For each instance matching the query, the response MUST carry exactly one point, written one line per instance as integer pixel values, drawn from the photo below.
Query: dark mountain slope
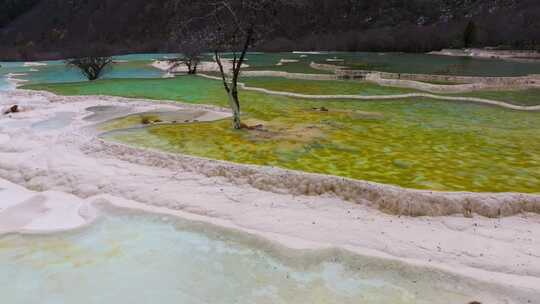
(44, 27)
(11, 9)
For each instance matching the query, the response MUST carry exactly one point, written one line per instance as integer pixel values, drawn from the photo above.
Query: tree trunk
(232, 89)
(235, 106)
(192, 68)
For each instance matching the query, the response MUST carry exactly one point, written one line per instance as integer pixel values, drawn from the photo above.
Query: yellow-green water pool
(414, 143)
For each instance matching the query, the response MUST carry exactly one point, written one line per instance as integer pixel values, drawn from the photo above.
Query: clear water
(146, 56)
(57, 72)
(7, 68)
(4, 84)
(398, 63)
(434, 64)
(137, 65)
(415, 143)
(145, 119)
(143, 259)
(127, 66)
(59, 121)
(104, 112)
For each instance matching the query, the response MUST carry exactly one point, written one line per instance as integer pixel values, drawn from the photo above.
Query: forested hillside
(44, 28)
(11, 9)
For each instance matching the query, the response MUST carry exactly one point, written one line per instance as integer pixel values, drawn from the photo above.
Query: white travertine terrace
(369, 97)
(51, 178)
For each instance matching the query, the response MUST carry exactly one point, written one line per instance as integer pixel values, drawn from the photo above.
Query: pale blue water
(138, 66)
(59, 121)
(56, 72)
(9, 68)
(435, 64)
(143, 259)
(146, 57)
(405, 63)
(4, 84)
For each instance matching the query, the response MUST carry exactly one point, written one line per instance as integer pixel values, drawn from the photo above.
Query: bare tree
(239, 25)
(92, 67)
(234, 26)
(93, 58)
(192, 48)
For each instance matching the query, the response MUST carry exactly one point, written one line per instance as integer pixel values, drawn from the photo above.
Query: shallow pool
(414, 143)
(150, 259)
(59, 121)
(55, 71)
(395, 62)
(105, 112)
(138, 65)
(8, 69)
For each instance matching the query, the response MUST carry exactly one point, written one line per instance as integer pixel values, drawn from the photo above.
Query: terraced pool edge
(387, 198)
(288, 249)
(385, 97)
(386, 171)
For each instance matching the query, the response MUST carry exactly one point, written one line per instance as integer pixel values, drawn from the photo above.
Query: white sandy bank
(503, 251)
(51, 212)
(489, 53)
(204, 66)
(25, 211)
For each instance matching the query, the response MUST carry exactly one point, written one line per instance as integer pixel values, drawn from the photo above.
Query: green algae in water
(396, 63)
(138, 66)
(526, 97)
(324, 87)
(200, 90)
(143, 259)
(414, 143)
(57, 72)
(131, 121)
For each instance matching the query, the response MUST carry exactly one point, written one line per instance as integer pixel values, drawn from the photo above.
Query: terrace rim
(386, 198)
(417, 81)
(484, 101)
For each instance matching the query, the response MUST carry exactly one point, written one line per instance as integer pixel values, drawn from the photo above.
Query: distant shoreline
(474, 52)
(521, 55)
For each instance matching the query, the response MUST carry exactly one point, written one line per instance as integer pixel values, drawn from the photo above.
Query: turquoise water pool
(126, 66)
(137, 65)
(144, 259)
(7, 68)
(435, 64)
(397, 63)
(415, 143)
(4, 84)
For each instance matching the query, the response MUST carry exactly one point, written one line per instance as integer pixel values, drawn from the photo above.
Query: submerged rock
(403, 164)
(321, 109)
(12, 109)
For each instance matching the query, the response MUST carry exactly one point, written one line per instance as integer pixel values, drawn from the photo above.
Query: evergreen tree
(469, 35)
